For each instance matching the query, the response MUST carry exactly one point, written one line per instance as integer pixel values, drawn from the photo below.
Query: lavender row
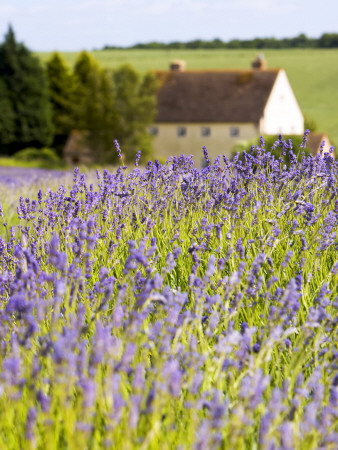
(174, 307)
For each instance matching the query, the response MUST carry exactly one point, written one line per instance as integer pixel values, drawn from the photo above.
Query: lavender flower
(118, 148)
(304, 141)
(200, 302)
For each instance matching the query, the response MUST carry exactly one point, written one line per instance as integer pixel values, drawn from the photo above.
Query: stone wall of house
(189, 138)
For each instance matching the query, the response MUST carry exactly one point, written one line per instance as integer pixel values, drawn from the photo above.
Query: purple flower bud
(30, 424)
(173, 375)
(11, 370)
(137, 158)
(135, 410)
(88, 387)
(44, 401)
(117, 148)
(206, 155)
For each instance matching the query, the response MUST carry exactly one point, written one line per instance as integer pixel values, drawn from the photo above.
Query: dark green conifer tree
(7, 124)
(26, 98)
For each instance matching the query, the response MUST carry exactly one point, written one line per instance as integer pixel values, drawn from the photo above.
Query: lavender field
(172, 307)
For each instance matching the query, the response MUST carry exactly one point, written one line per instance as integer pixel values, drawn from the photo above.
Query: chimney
(259, 63)
(178, 65)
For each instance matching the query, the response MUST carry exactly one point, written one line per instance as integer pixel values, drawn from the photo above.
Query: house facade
(220, 108)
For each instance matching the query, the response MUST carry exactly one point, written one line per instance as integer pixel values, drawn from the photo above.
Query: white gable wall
(282, 114)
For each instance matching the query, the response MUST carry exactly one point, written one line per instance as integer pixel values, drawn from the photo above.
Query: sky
(72, 25)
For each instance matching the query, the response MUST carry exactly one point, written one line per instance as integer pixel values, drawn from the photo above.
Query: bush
(310, 124)
(44, 157)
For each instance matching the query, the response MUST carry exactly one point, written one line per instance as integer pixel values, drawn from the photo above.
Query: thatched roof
(213, 96)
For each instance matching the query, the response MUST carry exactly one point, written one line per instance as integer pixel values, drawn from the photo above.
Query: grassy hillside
(313, 73)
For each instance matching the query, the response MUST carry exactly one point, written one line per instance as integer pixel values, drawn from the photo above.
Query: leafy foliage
(44, 157)
(94, 105)
(135, 109)
(61, 95)
(36, 113)
(310, 123)
(106, 105)
(7, 117)
(26, 117)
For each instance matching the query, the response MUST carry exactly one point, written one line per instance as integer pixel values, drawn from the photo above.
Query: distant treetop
(327, 40)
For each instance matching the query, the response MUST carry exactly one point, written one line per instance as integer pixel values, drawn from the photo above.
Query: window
(234, 131)
(181, 131)
(153, 131)
(205, 131)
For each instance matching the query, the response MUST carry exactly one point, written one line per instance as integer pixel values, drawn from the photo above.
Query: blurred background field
(313, 73)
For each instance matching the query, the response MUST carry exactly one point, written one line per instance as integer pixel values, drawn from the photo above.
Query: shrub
(310, 124)
(45, 157)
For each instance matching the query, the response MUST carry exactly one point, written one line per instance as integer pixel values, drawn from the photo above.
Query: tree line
(40, 106)
(327, 40)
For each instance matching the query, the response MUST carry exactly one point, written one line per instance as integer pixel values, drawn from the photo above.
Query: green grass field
(313, 73)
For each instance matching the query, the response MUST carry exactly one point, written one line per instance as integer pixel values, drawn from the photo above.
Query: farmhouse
(216, 109)
(219, 108)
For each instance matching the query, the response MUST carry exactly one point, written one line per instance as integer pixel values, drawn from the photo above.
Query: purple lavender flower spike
(118, 148)
(304, 141)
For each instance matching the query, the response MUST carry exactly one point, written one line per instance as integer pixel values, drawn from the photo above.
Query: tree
(26, 99)
(7, 123)
(135, 104)
(83, 67)
(328, 40)
(95, 112)
(61, 93)
(109, 106)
